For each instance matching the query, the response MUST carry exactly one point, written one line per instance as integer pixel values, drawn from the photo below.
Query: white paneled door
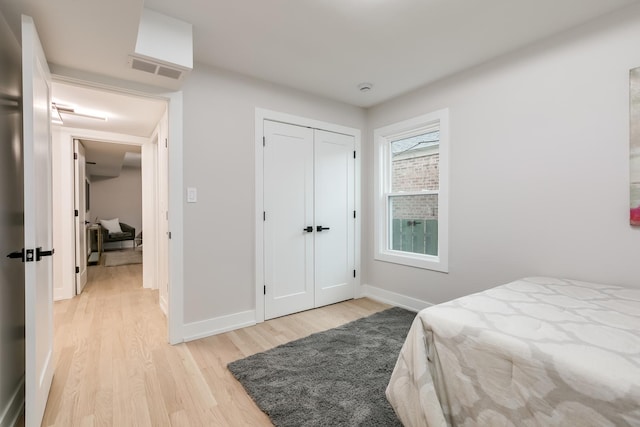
(309, 230)
(288, 203)
(334, 217)
(80, 202)
(36, 85)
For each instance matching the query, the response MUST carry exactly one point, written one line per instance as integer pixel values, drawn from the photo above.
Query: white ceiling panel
(324, 47)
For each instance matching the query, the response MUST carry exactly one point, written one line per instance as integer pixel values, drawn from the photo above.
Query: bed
(534, 352)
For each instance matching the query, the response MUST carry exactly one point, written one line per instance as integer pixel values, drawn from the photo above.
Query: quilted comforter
(534, 352)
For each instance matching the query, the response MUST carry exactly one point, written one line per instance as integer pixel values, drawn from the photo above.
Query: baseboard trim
(218, 325)
(10, 414)
(164, 306)
(392, 298)
(63, 294)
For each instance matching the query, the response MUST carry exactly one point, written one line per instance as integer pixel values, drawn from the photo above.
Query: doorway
(307, 222)
(111, 156)
(112, 188)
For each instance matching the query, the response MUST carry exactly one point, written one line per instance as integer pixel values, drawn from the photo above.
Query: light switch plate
(192, 195)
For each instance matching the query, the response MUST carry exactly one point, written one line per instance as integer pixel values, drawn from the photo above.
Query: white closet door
(334, 207)
(288, 204)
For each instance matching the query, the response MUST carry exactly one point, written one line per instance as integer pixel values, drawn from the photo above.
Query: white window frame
(382, 169)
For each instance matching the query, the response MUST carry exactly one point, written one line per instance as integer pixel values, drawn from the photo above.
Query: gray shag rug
(124, 257)
(332, 378)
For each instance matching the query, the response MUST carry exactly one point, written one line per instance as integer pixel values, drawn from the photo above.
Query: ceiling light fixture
(365, 87)
(78, 112)
(56, 118)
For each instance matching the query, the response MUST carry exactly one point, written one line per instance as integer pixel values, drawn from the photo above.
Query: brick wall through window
(415, 173)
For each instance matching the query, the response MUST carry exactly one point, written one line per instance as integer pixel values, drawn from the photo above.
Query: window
(412, 199)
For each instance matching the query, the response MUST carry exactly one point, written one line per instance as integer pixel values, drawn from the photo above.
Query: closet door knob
(308, 229)
(320, 228)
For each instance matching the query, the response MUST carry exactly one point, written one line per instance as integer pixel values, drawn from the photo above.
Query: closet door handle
(308, 229)
(320, 228)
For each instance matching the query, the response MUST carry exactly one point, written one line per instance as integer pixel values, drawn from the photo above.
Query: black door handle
(23, 255)
(320, 228)
(308, 229)
(40, 253)
(17, 255)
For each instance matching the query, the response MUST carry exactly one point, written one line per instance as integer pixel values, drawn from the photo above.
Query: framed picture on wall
(634, 145)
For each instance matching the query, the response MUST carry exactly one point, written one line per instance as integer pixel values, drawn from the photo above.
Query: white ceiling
(328, 47)
(126, 114)
(325, 47)
(107, 159)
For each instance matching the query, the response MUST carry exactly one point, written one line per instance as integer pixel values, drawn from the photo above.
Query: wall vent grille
(150, 66)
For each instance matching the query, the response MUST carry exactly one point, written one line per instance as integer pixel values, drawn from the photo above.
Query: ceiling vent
(164, 46)
(157, 68)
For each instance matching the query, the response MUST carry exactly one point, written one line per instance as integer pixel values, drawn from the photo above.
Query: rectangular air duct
(164, 46)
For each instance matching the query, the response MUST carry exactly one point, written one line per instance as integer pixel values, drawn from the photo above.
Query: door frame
(175, 309)
(260, 116)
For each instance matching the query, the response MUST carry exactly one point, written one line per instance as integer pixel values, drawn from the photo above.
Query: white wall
(219, 115)
(539, 173)
(119, 197)
(63, 220)
(539, 166)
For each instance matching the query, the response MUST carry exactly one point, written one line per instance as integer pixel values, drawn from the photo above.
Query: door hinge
(76, 213)
(265, 289)
(75, 156)
(166, 143)
(354, 154)
(354, 273)
(169, 234)
(77, 269)
(264, 141)
(264, 216)
(354, 214)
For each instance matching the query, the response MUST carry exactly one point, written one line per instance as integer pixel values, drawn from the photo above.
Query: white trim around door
(260, 116)
(175, 317)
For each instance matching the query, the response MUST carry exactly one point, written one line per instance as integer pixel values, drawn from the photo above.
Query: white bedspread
(534, 352)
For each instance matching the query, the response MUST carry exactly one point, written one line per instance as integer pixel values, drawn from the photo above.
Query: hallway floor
(115, 368)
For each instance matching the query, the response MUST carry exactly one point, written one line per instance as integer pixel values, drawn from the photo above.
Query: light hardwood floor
(115, 368)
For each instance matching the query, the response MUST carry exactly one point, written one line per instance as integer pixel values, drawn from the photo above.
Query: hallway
(105, 340)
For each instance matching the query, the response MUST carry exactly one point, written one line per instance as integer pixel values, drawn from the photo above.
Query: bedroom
(539, 172)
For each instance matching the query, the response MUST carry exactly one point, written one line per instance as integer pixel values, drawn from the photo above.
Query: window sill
(427, 262)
